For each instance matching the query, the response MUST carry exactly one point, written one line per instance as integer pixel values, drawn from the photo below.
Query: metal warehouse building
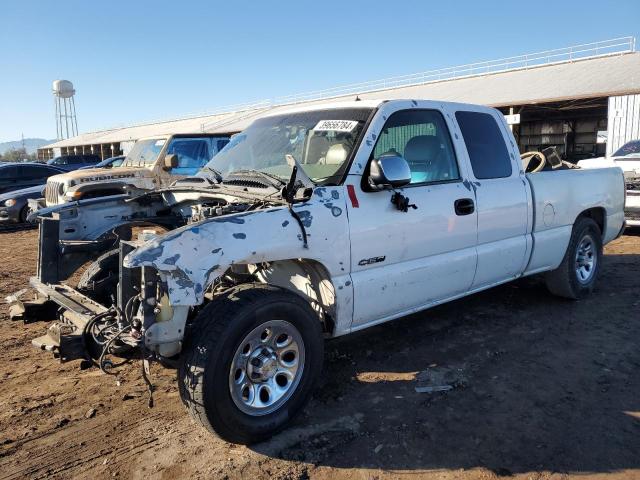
(583, 99)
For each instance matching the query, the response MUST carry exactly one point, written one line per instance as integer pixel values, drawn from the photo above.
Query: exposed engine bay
(120, 321)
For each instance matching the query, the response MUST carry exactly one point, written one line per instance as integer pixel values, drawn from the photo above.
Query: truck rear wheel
(576, 276)
(250, 362)
(99, 281)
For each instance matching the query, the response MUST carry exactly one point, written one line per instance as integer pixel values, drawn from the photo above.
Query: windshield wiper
(291, 188)
(216, 174)
(300, 174)
(259, 173)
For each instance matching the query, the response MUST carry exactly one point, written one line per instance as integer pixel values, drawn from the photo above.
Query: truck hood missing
(191, 257)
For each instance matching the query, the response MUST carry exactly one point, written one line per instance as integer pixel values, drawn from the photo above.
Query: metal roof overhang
(585, 78)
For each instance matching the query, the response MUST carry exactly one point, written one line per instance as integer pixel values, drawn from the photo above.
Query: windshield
(628, 149)
(321, 141)
(144, 153)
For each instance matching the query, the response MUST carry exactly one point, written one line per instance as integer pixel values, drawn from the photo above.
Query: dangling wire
(105, 350)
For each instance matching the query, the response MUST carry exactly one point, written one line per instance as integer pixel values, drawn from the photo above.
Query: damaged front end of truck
(219, 237)
(70, 236)
(261, 231)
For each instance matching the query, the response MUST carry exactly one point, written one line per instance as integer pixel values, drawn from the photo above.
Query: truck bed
(559, 196)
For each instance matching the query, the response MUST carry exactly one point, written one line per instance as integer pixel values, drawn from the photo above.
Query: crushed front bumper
(65, 337)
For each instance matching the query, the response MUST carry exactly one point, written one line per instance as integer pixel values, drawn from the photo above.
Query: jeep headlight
(74, 195)
(10, 203)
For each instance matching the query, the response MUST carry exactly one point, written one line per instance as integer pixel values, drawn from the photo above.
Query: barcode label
(335, 125)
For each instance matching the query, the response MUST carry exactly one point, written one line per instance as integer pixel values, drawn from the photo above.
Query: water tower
(66, 121)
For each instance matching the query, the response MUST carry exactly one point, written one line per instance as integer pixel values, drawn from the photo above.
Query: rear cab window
(485, 143)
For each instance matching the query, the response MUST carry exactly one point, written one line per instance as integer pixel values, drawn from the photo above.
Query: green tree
(17, 155)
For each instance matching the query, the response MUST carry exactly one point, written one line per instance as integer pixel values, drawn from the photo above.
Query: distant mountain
(30, 144)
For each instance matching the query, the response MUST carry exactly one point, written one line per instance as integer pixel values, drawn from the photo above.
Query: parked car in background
(152, 163)
(107, 163)
(74, 162)
(627, 158)
(629, 150)
(16, 176)
(14, 206)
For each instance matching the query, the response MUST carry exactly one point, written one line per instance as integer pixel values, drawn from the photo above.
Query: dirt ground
(543, 388)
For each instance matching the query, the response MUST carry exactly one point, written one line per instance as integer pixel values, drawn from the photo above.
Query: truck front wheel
(250, 362)
(576, 276)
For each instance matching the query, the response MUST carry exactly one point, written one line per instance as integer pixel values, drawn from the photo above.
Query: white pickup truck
(328, 219)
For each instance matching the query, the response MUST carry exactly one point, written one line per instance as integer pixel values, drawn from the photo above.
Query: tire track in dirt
(79, 441)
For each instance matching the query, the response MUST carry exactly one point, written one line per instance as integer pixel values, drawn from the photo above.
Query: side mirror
(389, 171)
(170, 161)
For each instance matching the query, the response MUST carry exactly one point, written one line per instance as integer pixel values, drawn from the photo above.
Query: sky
(133, 61)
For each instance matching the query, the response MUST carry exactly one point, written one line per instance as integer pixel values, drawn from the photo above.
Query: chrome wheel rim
(586, 259)
(266, 367)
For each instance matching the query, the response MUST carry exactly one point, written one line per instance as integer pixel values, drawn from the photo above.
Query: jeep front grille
(52, 192)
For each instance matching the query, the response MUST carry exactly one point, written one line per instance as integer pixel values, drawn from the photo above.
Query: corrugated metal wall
(624, 121)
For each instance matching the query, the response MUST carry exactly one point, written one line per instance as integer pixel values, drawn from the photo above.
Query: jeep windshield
(321, 141)
(144, 153)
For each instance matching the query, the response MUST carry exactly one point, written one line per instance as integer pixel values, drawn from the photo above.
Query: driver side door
(405, 261)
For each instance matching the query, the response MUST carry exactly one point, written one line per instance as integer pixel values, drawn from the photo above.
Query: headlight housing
(10, 203)
(73, 195)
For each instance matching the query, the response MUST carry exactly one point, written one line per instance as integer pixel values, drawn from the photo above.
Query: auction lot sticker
(335, 125)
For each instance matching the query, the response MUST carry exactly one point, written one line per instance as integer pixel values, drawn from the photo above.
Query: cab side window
(423, 139)
(485, 143)
(193, 154)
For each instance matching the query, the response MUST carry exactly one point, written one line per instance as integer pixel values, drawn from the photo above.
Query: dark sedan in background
(14, 202)
(107, 163)
(74, 162)
(16, 176)
(14, 205)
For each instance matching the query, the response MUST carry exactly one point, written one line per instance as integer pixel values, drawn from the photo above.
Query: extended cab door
(405, 261)
(502, 195)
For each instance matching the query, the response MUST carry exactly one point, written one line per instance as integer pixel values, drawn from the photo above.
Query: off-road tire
(99, 281)
(203, 375)
(563, 281)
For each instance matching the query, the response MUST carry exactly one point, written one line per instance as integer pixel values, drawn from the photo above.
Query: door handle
(464, 206)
